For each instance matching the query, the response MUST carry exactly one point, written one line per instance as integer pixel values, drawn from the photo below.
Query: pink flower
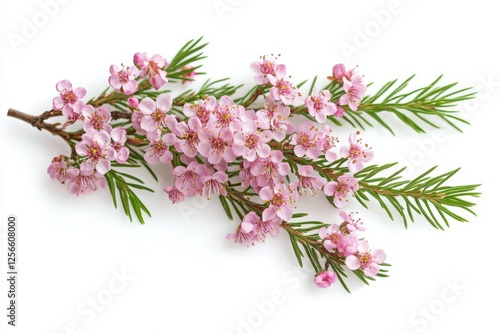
(357, 153)
(67, 97)
(96, 147)
(213, 184)
(159, 151)
(97, 119)
(188, 136)
(325, 278)
(201, 109)
(152, 68)
(249, 142)
(306, 140)
(340, 189)
(174, 194)
(284, 90)
(271, 226)
(133, 102)
(347, 245)
(355, 90)
(83, 182)
(271, 170)
(366, 260)
(188, 179)
(226, 112)
(330, 236)
(57, 169)
(339, 73)
(280, 199)
(328, 143)
(319, 105)
(275, 118)
(123, 79)
(155, 113)
(74, 112)
(351, 224)
(215, 144)
(267, 66)
(245, 233)
(119, 136)
(308, 179)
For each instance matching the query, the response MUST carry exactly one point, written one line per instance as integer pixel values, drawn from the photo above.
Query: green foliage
(417, 108)
(428, 196)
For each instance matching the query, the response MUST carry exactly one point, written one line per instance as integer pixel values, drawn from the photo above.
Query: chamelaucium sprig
(258, 151)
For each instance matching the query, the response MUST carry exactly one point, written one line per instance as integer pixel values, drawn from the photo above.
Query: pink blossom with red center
(355, 90)
(123, 79)
(215, 144)
(188, 136)
(67, 97)
(75, 112)
(136, 120)
(284, 90)
(267, 66)
(325, 278)
(271, 226)
(155, 112)
(328, 144)
(96, 118)
(119, 137)
(246, 176)
(356, 152)
(275, 118)
(188, 179)
(366, 260)
(319, 106)
(202, 109)
(153, 68)
(226, 112)
(174, 194)
(96, 147)
(159, 151)
(82, 182)
(245, 232)
(57, 169)
(306, 140)
(330, 236)
(271, 170)
(281, 200)
(250, 142)
(340, 190)
(309, 180)
(213, 184)
(351, 224)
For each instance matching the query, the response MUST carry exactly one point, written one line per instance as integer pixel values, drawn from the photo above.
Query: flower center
(251, 141)
(68, 96)
(158, 115)
(159, 148)
(123, 76)
(217, 144)
(364, 259)
(95, 152)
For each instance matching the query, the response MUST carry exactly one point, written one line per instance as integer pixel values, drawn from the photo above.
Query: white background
(182, 275)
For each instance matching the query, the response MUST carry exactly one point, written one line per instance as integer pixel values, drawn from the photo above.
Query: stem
(38, 122)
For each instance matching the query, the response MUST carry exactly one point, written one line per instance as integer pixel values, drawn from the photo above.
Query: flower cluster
(100, 143)
(342, 240)
(258, 153)
(215, 140)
